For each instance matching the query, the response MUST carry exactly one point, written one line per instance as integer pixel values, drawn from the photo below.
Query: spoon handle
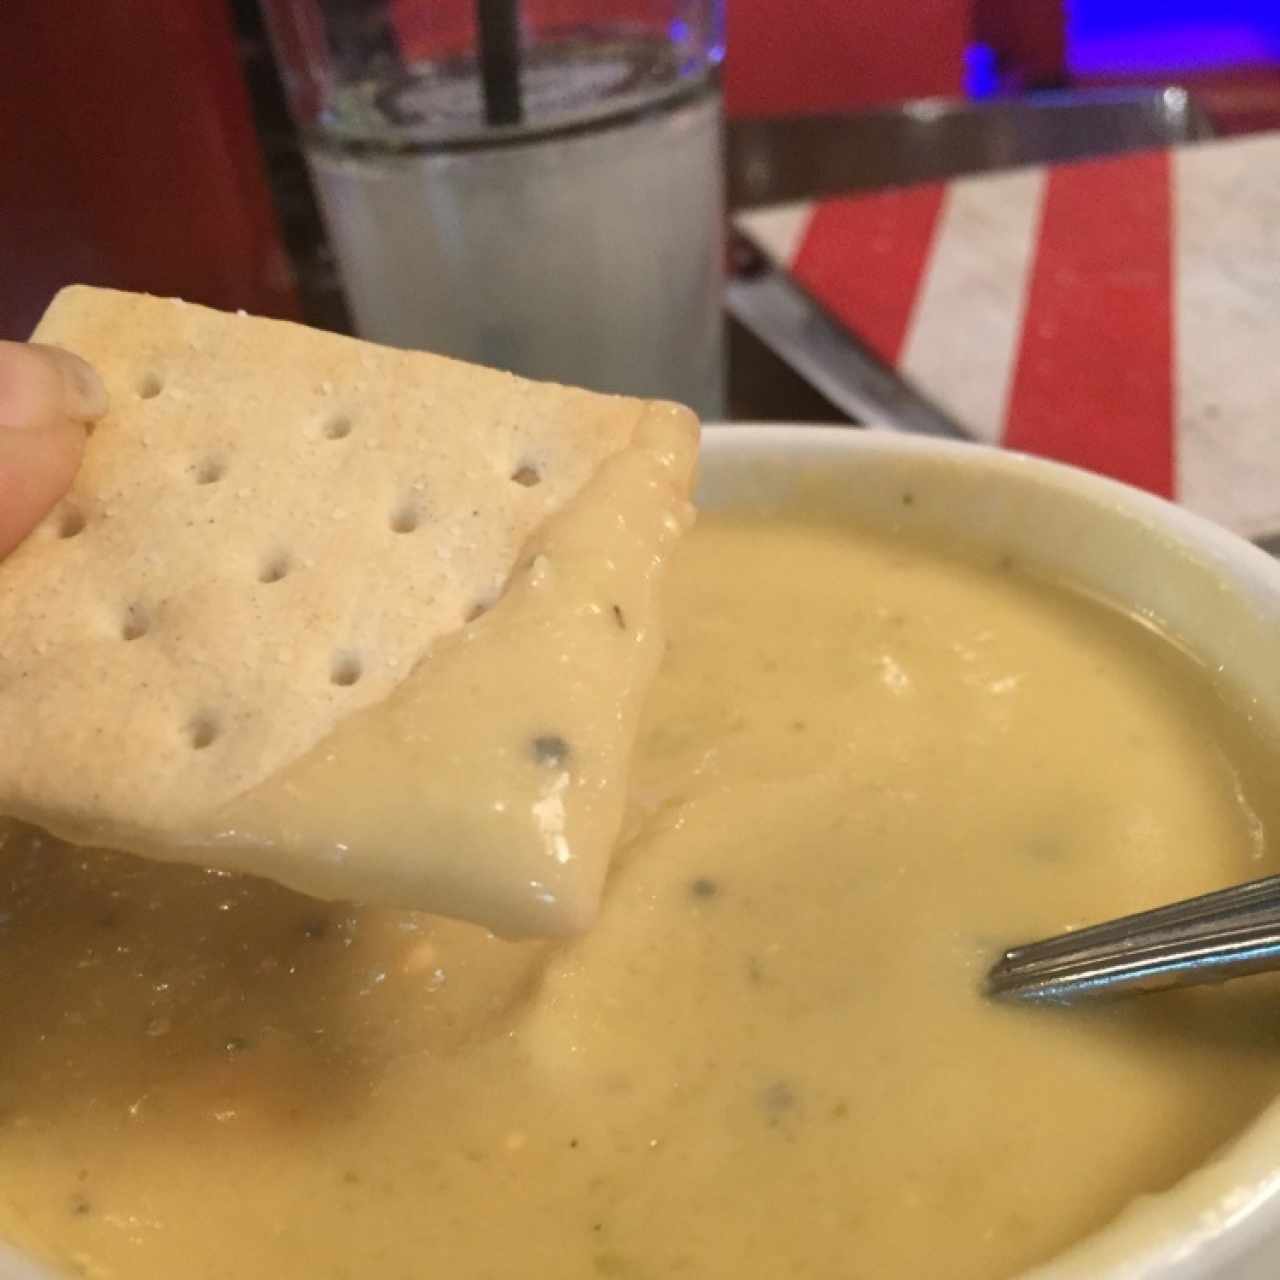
(1208, 939)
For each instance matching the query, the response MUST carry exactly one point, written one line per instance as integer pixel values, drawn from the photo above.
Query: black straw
(499, 31)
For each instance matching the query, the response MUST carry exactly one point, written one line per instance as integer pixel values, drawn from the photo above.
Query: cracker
(272, 528)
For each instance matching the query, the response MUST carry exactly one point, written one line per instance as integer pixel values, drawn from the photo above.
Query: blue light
(1154, 36)
(981, 72)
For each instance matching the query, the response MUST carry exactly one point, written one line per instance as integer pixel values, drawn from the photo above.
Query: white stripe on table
(963, 338)
(778, 230)
(1227, 310)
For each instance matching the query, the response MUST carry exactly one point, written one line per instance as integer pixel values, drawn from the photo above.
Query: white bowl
(1213, 590)
(1210, 588)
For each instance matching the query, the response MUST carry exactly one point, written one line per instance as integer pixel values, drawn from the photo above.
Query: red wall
(794, 56)
(128, 158)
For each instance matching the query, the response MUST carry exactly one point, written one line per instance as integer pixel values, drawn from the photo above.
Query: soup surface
(866, 766)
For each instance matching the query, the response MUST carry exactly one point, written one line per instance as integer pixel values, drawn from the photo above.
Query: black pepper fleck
(351, 1177)
(704, 888)
(779, 1096)
(80, 1205)
(908, 499)
(550, 749)
(619, 617)
(777, 1099)
(573, 1142)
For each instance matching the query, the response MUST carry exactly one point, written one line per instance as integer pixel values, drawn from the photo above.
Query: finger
(36, 469)
(46, 395)
(40, 385)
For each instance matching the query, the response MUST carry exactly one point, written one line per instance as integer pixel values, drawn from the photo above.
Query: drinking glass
(534, 185)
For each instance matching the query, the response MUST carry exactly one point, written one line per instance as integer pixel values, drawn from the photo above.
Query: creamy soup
(866, 766)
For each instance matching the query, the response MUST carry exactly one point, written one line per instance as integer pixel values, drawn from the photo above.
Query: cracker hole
(337, 427)
(404, 519)
(136, 623)
(202, 732)
(150, 385)
(346, 670)
(210, 470)
(526, 475)
(70, 523)
(275, 569)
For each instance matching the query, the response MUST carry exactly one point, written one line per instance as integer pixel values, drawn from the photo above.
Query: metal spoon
(1207, 939)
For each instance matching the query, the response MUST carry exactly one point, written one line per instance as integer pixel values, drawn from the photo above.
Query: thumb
(47, 395)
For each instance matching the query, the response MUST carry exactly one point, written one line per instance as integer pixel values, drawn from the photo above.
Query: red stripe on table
(1093, 384)
(862, 257)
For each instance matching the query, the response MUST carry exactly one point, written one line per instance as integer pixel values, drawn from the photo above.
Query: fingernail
(30, 387)
(84, 398)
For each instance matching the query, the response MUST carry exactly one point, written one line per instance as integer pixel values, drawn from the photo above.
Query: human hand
(47, 398)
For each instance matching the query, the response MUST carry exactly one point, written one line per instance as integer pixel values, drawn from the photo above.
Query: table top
(779, 160)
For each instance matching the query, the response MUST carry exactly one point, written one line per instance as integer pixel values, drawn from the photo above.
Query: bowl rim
(1088, 486)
